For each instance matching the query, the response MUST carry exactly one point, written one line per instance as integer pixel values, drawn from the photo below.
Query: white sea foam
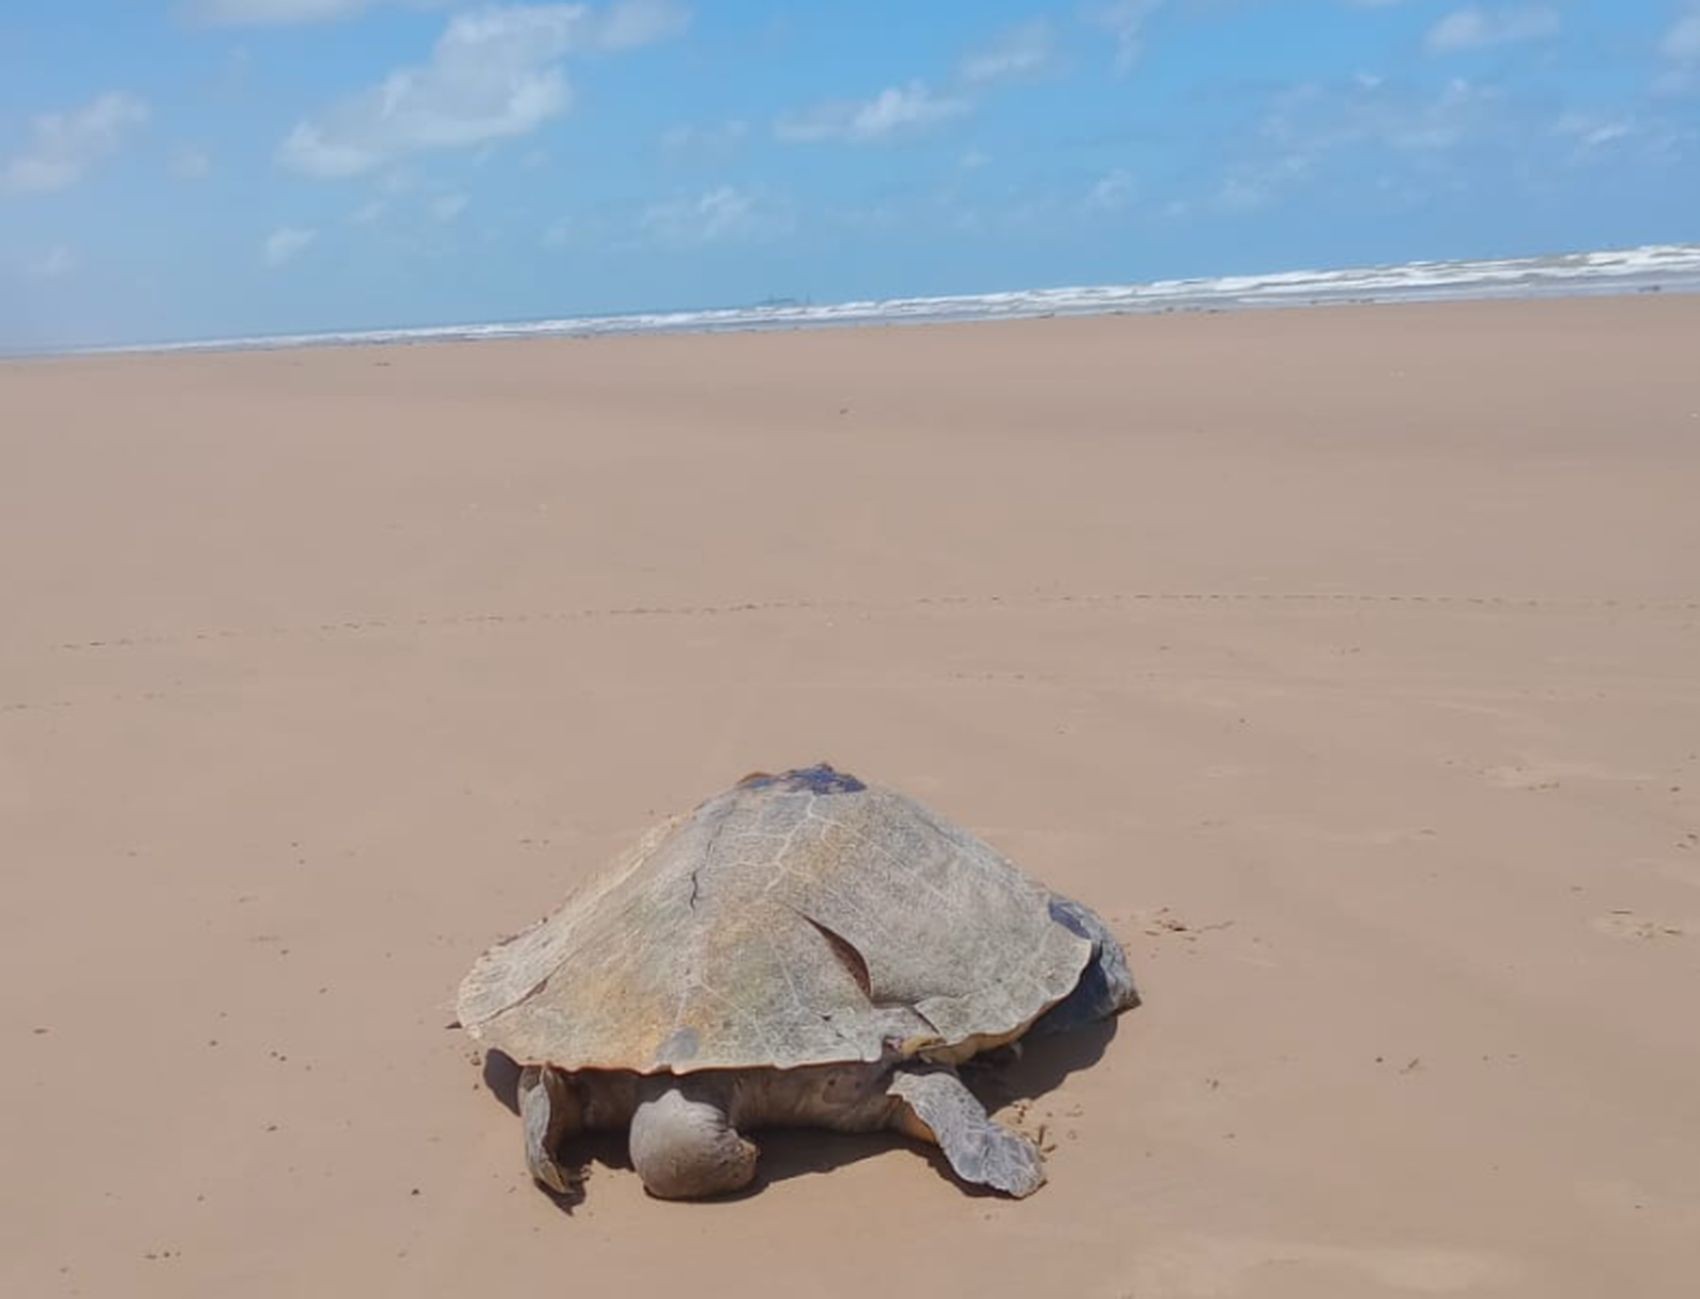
(1674, 267)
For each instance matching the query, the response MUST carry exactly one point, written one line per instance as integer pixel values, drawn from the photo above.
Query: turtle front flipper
(938, 1107)
(551, 1113)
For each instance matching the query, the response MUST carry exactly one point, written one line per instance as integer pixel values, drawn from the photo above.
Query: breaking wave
(1674, 267)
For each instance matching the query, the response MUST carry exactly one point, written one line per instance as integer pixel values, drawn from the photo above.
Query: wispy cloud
(711, 143)
(1020, 53)
(720, 214)
(494, 74)
(63, 146)
(1368, 110)
(271, 13)
(1015, 54)
(448, 207)
(1592, 132)
(1307, 125)
(634, 22)
(1476, 27)
(1682, 41)
(56, 262)
(1111, 192)
(1125, 21)
(1680, 49)
(190, 164)
(284, 244)
(631, 23)
(1249, 188)
(895, 112)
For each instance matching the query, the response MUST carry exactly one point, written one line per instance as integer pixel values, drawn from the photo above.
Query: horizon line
(1646, 268)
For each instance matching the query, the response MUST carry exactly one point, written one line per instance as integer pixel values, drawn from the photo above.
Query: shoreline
(1646, 270)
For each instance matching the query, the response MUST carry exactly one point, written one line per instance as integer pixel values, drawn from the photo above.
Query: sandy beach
(1347, 660)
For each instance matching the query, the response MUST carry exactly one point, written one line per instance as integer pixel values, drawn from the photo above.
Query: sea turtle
(802, 950)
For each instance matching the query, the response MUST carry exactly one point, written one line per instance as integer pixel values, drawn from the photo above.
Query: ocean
(1654, 268)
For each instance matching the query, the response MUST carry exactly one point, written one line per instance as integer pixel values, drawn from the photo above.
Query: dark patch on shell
(818, 779)
(679, 1048)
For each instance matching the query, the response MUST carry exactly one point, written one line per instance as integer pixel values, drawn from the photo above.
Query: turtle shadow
(786, 1153)
(791, 1153)
(583, 1157)
(501, 1078)
(1040, 1065)
(1000, 1079)
(580, 1159)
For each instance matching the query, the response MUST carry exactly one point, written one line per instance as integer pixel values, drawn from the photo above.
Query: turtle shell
(798, 919)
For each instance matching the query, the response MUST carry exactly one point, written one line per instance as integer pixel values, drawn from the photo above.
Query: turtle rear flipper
(938, 1107)
(683, 1144)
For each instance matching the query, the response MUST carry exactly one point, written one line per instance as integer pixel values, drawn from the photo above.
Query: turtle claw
(937, 1106)
(547, 1173)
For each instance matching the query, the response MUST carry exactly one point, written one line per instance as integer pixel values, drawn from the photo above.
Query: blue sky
(222, 167)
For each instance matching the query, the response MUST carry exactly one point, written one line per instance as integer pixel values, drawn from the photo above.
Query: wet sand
(1347, 660)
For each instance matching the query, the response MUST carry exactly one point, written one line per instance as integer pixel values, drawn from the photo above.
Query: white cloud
(1681, 43)
(1475, 27)
(1016, 54)
(1680, 49)
(190, 164)
(284, 243)
(895, 111)
(1019, 53)
(368, 212)
(494, 73)
(1250, 188)
(1654, 139)
(722, 213)
(1313, 119)
(1112, 192)
(63, 146)
(57, 261)
(1125, 21)
(1308, 124)
(1592, 132)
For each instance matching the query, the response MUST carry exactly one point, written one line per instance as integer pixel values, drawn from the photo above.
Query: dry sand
(1348, 660)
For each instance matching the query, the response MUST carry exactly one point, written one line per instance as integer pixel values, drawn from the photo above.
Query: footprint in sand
(1626, 924)
(1551, 775)
(1164, 923)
